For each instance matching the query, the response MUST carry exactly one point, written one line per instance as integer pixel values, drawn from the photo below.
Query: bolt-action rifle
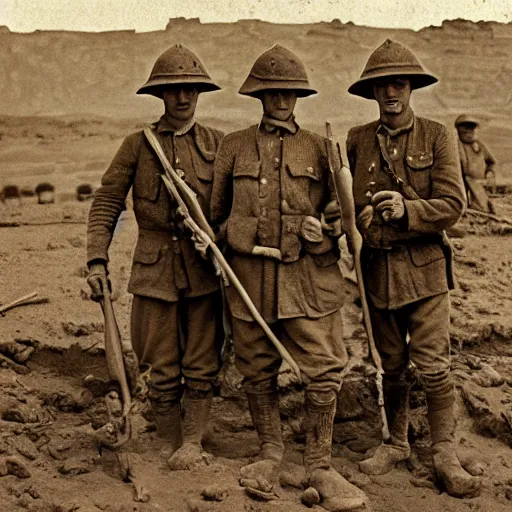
(342, 180)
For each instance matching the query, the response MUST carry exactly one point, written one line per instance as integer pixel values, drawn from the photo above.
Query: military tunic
(268, 179)
(407, 263)
(174, 288)
(476, 161)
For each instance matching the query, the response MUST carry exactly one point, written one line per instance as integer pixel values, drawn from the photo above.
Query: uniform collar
(385, 130)
(269, 124)
(164, 125)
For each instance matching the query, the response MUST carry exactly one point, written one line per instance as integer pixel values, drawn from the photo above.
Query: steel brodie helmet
(277, 68)
(177, 66)
(391, 59)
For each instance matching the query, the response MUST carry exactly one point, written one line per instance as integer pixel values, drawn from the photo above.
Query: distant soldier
(407, 189)
(477, 163)
(174, 321)
(274, 200)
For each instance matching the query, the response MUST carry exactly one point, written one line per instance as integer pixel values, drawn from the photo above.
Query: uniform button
(174, 237)
(277, 163)
(368, 193)
(263, 212)
(263, 181)
(180, 173)
(284, 205)
(310, 170)
(177, 160)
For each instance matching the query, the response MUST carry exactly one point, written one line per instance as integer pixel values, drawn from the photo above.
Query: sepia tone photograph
(255, 256)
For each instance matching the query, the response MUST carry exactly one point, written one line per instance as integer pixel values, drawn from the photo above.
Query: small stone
(488, 377)
(26, 448)
(13, 466)
(310, 497)
(76, 241)
(197, 505)
(215, 493)
(74, 466)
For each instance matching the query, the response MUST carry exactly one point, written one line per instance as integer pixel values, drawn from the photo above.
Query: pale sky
(148, 15)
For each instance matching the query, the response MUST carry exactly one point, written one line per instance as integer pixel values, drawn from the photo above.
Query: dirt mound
(48, 450)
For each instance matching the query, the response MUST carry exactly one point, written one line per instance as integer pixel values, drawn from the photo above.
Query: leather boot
(335, 493)
(397, 449)
(196, 407)
(167, 417)
(456, 481)
(261, 478)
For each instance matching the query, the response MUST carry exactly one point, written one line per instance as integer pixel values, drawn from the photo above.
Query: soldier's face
(180, 102)
(279, 104)
(467, 133)
(392, 94)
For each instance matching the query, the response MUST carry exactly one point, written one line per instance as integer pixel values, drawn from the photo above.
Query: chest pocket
(146, 183)
(301, 188)
(419, 166)
(246, 188)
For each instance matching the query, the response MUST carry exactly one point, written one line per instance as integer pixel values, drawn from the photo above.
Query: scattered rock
(76, 241)
(310, 497)
(23, 413)
(215, 492)
(69, 402)
(488, 377)
(19, 350)
(26, 448)
(197, 505)
(489, 419)
(13, 466)
(82, 329)
(74, 466)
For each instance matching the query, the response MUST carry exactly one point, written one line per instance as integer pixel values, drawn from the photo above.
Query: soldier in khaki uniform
(174, 321)
(476, 161)
(274, 202)
(407, 190)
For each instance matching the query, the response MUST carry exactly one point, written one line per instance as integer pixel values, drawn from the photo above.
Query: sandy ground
(47, 441)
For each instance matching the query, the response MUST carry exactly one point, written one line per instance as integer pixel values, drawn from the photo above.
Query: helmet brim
(254, 87)
(364, 86)
(156, 86)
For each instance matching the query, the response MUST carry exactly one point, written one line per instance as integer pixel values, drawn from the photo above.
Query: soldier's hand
(390, 204)
(98, 280)
(201, 245)
(364, 219)
(311, 230)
